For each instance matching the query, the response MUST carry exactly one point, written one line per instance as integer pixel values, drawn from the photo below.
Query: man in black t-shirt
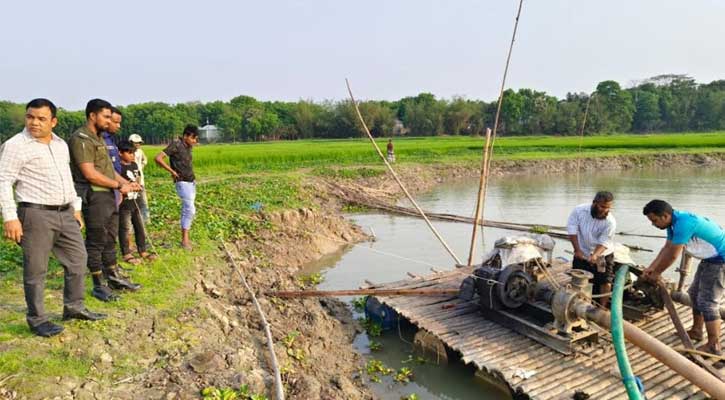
(182, 171)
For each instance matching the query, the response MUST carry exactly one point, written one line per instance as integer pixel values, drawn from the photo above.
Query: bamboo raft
(506, 355)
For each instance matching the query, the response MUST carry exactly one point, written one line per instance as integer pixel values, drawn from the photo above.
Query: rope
(265, 324)
(500, 99)
(548, 274)
(153, 248)
(488, 151)
(395, 176)
(581, 143)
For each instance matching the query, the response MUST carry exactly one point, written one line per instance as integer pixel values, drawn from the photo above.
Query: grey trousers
(707, 290)
(46, 231)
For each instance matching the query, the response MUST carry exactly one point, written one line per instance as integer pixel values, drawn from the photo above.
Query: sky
(135, 51)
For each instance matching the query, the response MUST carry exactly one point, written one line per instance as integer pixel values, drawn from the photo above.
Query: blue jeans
(187, 194)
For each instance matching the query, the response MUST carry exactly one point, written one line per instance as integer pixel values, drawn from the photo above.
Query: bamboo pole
(666, 355)
(395, 176)
(681, 332)
(500, 95)
(270, 342)
(481, 199)
(363, 292)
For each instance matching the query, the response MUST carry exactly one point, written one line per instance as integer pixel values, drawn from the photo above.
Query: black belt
(62, 207)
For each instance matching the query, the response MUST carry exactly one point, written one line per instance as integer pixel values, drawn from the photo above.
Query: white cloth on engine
(519, 249)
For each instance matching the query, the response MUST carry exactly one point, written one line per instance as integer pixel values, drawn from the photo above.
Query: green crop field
(223, 159)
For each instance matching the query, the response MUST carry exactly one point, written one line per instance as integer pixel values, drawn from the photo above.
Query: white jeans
(187, 194)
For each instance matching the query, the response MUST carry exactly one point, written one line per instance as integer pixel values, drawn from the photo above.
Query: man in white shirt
(46, 218)
(591, 229)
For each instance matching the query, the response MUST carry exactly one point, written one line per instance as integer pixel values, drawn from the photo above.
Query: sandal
(129, 258)
(710, 350)
(149, 256)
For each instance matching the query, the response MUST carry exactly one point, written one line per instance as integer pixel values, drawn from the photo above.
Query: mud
(312, 336)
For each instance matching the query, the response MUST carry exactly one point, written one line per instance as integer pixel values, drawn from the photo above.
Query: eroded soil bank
(220, 342)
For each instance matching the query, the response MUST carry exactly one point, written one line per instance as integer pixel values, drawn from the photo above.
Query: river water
(406, 245)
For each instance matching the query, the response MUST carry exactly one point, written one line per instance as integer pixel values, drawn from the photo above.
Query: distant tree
(708, 109)
(12, 119)
(211, 112)
(68, 122)
(512, 109)
(306, 117)
(423, 115)
(677, 102)
(155, 122)
(647, 108)
(459, 115)
(612, 108)
(379, 118)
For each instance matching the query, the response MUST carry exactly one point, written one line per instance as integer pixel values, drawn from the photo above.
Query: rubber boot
(101, 291)
(117, 282)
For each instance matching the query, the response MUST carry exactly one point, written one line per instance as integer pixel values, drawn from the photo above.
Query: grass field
(221, 159)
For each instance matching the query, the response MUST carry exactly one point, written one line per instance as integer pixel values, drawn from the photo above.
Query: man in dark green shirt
(95, 181)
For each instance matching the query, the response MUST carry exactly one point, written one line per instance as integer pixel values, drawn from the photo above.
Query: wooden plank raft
(507, 355)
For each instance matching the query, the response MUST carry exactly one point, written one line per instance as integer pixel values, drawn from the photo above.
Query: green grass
(225, 159)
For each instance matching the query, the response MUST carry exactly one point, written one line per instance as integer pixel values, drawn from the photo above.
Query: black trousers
(600, 278)
(101, 216)
(129, 214)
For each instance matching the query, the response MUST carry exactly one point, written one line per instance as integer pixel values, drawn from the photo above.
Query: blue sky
(176, 51)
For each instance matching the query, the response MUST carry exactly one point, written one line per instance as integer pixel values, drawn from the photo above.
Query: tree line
(664, 103)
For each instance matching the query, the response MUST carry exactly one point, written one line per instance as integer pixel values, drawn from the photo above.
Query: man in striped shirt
(46, 218)
(591, 230)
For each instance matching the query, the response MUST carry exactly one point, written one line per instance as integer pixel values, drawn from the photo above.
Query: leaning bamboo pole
(500, 95)
(395, 176)
(363, 292)
(479, 202)
(270, 342)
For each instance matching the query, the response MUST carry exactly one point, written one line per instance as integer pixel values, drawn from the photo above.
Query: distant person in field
(96, 182)
(391, 151)
(141, 161)
(182, 172)
(591, 230)
(707, 290)
(46, 197)
(129, 212)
